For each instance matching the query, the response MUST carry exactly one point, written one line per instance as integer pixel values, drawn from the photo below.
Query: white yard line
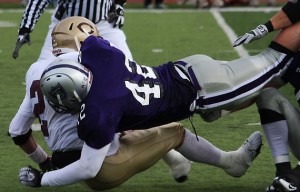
(242, 52)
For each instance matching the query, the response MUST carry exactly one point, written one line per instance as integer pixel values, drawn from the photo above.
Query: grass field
(175, 34)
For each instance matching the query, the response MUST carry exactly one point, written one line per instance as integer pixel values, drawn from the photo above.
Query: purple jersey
(126, 96)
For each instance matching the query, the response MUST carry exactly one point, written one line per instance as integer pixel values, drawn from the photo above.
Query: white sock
(172, 158)
(277, 136)
(201, 151)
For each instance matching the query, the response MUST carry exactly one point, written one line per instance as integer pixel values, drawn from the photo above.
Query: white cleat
(240, 160)
(179, 166)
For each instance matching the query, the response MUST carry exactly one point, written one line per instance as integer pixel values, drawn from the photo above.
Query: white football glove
(257, 33)
(116, 16)
(30, 177)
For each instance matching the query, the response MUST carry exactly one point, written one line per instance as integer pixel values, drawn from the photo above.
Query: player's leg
(228, 85)
(234, 163)
(139, 150)
(272, 106)
(280, 121)
(179, 166)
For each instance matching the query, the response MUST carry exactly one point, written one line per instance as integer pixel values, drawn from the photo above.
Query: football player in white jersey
(153, 144)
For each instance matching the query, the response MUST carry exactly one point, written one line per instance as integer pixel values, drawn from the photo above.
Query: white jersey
(59, 130)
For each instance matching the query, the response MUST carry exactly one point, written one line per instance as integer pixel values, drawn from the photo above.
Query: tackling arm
(286, 17)
(85, 168)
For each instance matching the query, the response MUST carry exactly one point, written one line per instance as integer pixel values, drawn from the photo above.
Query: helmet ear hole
(65, 85)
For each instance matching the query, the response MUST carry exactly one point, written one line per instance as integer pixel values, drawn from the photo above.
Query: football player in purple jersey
(115, 94)
(129, 153)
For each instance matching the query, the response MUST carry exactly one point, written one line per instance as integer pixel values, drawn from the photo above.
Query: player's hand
(116, 16)
(31, 177)
(47, 165)
(22, 39)
(257, 33)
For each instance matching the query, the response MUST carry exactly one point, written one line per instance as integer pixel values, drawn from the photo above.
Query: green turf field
(154, 38)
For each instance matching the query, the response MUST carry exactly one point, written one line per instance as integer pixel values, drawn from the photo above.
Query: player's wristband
(269, 26)
(39, 155)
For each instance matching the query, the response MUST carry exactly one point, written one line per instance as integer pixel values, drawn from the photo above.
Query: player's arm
(31, 15)
(288, 15)
(21, 134)
(85, 168)
(20, 128)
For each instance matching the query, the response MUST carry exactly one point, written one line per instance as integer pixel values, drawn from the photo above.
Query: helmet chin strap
(77, 42)
(59, 99)
(76, 96)
(90, 81)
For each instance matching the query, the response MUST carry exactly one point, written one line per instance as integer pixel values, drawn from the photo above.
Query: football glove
(47, 165)
(257, 33)
(116, 16)
(22, 39)
(30, 176)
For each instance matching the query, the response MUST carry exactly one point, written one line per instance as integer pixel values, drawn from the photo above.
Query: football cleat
(288, 182)
(281, 184)
(179, 166)
(240, 160)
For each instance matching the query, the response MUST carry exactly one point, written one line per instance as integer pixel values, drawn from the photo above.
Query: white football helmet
(65, 84)
(69, 34)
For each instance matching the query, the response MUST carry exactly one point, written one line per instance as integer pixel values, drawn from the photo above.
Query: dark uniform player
(124, 95)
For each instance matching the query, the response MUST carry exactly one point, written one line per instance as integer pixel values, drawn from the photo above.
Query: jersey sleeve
(31, 15)
(96, 128)
(85, 168)
(22, 121)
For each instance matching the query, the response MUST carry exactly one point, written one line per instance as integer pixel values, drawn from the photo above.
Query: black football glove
(23, 38)
(30, 176)
(257, 33)
(116, 16)
(47, 165)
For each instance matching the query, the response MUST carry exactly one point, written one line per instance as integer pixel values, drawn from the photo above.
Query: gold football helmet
(69, 33)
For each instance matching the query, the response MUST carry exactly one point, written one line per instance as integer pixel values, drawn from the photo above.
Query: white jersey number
(142, 92)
